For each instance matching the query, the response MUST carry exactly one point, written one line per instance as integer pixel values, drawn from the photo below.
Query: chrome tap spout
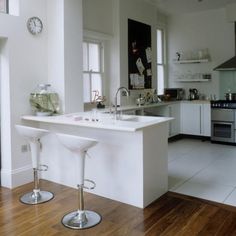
(118, 90)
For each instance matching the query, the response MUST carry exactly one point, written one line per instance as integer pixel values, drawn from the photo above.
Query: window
(92, 70)
(3, 6)
(160, 62)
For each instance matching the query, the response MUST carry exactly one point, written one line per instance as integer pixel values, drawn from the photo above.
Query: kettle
(193, 94)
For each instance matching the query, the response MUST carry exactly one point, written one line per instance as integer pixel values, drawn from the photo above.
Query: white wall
(5, 110)
(73, 34)
(64, 19)
(24, 64)
(143, 12)
(191, 32)
(55, 47)
(113, 20)
(97, 16)
(98, 24)
(146, 13)
(115, 52)
(230, 12)
(54, 56)
(14, 7)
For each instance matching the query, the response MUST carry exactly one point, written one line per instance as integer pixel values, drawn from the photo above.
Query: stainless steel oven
(222, 124)
(222, 131)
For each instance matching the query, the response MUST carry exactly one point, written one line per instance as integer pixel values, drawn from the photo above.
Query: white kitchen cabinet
(170, 110)
(195, 119)
(206, 119)
(190, 118)
(174, 126)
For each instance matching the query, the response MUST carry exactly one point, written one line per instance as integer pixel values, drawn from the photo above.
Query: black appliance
(174, 93)
(223, 121)
(193, 94)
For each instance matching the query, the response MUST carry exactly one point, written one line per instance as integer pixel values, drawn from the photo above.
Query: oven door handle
(200, 118)
(222, 123)
(220, 109)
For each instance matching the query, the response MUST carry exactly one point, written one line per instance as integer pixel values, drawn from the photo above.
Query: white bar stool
(33, 136)
(79, 219)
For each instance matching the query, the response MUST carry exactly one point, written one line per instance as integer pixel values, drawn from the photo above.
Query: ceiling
(170, 7)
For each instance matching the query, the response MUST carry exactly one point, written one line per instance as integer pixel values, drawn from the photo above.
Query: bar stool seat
(33, 136)
(78, 146)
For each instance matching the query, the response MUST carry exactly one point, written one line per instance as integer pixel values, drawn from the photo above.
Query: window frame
(101, 66)
(163, 64)
(6, 8)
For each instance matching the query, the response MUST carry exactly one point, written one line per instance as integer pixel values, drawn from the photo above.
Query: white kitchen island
(129, 164)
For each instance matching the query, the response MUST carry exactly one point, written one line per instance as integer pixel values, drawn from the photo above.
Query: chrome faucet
(127, 94)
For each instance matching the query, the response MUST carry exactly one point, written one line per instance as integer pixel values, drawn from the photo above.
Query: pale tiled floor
(203, 170)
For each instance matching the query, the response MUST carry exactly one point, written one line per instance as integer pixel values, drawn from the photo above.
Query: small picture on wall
(139, 55)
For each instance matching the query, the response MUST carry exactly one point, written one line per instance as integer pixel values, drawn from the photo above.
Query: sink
(137, 118)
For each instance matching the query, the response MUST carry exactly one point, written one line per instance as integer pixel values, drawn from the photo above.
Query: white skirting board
(17, 177)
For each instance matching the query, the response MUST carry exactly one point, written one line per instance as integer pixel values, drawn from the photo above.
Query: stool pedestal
(80, 218)
(33, 136)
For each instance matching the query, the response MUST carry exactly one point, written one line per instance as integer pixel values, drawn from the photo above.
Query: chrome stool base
(73, 220)
(40, 197)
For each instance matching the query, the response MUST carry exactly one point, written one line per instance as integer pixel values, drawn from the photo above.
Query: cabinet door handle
(170, 124)
(200, 119)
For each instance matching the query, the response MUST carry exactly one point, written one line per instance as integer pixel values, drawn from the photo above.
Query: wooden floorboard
(171, 215)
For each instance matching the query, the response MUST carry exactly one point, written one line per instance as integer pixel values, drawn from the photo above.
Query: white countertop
(136, 107)
(197, 101)
(150, 105)
(105, 121)
(101, 121)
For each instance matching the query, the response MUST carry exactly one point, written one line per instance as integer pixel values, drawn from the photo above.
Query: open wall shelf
(192, 80)
(191, 61)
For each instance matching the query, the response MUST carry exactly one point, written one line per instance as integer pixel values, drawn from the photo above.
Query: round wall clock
(34, 25)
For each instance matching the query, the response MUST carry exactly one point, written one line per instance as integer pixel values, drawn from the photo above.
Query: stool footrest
(93, 184)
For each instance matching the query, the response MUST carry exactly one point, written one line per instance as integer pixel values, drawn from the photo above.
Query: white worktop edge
(122, 125)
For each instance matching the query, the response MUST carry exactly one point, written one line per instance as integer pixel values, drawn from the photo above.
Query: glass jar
(44, 101)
